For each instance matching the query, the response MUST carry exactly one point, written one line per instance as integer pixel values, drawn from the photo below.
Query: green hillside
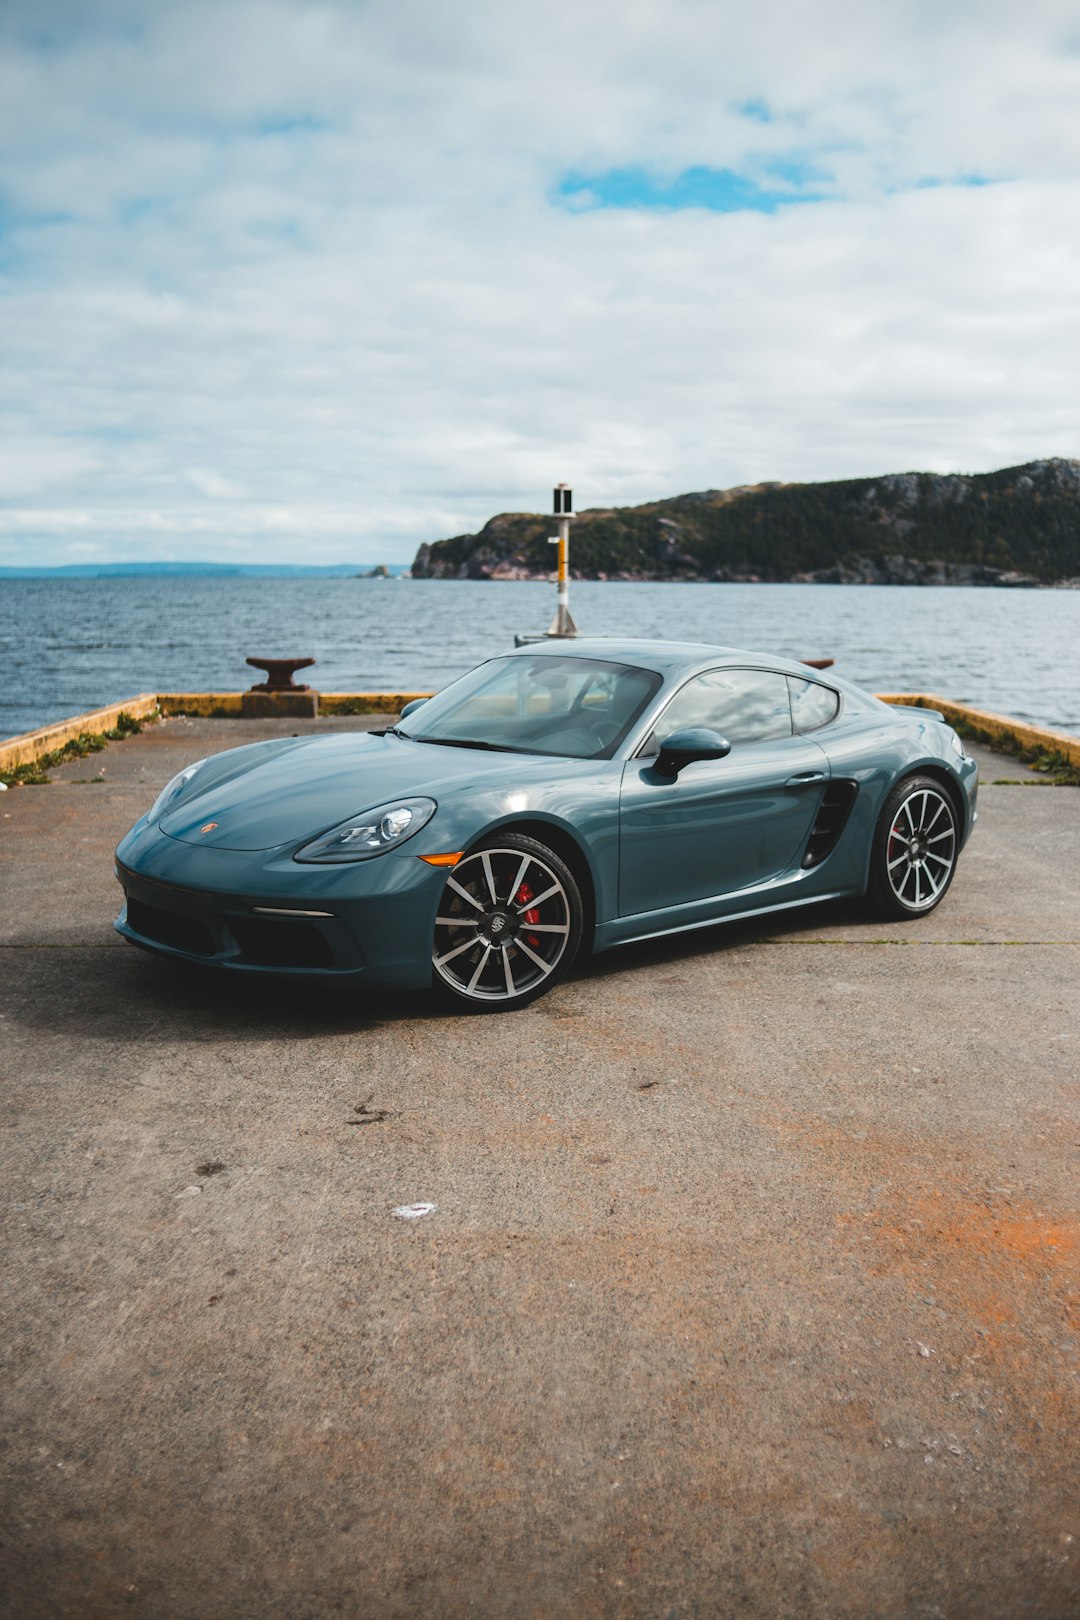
(1017, 526)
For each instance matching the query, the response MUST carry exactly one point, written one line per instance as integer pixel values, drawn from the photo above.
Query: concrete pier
(752, 1287)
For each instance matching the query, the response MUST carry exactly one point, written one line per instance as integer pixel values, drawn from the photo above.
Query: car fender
(584, 811)
(876, 760)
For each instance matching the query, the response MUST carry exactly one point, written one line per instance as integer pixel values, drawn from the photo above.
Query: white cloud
(30, 466)
(209, 482)
(303, 261)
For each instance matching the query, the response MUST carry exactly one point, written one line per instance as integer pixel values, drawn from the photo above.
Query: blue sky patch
(932, 182)
(721, 191)
(136, 209)
(297, 124)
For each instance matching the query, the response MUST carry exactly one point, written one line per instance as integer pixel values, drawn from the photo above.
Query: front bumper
(968, 772)
(263, 913)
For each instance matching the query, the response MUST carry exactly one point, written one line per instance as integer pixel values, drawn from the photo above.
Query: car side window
(743, 705)
(812, 705)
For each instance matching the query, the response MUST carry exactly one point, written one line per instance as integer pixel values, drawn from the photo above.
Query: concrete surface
(752, 1288)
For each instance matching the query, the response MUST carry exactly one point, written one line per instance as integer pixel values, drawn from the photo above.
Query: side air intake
(831, 819)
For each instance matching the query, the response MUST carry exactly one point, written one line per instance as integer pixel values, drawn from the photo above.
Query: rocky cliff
(1019, 526)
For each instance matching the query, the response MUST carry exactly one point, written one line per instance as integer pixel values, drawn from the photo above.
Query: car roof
(664, 657)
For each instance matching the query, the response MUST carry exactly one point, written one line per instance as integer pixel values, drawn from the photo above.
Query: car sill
(609, 943)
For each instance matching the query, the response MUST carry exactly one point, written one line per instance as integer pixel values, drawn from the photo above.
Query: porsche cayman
(563, 798)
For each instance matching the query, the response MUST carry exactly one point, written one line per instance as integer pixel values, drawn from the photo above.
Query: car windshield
(538, 704)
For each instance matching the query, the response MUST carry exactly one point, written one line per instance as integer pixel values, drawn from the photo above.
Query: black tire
(493, 950)
(915, 848)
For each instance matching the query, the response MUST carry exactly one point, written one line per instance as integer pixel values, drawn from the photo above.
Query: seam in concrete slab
(936, 942)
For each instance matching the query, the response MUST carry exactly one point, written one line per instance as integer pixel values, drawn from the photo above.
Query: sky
(315, 282)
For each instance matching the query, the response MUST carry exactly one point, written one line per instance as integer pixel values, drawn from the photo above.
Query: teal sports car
(567, 797)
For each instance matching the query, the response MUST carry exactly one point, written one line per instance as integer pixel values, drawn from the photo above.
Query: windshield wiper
(470, 742)
(396, 731)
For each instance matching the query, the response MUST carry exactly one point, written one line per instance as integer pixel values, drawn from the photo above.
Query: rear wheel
(915, 848)
(509, 924)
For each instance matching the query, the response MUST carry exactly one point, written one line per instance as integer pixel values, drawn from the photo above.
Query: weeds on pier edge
(35, 772)
(1055, 766)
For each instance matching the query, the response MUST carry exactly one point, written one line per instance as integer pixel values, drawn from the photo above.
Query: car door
(720, 825)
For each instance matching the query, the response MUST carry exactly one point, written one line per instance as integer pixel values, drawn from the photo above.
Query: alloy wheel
(503, 927)
(921, 849)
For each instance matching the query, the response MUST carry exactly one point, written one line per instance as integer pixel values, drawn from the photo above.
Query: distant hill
(145, 570)
(1020, 526)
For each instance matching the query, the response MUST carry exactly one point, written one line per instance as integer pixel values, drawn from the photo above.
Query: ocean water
(72, 645)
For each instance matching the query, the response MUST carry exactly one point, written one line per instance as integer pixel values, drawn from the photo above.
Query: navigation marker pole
(562, 624)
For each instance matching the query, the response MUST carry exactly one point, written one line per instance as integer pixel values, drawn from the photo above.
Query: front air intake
(271, 943)
(172, 928)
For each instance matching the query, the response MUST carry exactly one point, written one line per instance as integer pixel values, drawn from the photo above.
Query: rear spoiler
(914, 703)
(901, 705)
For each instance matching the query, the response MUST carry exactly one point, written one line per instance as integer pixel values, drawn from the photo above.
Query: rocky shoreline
(893, 570)
(1017, 529)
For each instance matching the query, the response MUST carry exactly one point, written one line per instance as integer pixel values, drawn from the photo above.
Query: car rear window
(812, 705)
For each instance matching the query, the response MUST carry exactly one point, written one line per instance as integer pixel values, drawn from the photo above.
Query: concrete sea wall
(995, 730)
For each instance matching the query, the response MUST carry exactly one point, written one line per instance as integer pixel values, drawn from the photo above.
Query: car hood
(294, 793)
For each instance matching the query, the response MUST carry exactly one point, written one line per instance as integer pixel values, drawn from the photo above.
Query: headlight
(363, 836)
(957, 745)
(172, 791)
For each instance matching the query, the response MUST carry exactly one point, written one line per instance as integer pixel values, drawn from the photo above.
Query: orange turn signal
(443, 860)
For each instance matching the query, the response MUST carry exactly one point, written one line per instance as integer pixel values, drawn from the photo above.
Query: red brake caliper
(531, 916)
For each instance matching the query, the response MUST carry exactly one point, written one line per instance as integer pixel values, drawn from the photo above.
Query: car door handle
(805, 778)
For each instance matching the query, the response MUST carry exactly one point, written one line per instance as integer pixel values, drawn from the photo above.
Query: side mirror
(684, 747)
(410, 707)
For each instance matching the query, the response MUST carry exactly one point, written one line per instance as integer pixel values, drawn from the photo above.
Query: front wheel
(915, 848)
(509, 924)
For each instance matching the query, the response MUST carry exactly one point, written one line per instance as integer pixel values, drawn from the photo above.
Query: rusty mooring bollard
(279, 673)
(278, 695)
